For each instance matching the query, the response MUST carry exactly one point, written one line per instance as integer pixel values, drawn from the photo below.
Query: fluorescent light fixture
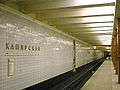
(105, 39)
(102, 28)
(97, 10)
(100, 24)
(88, 30)
(106, 43)
(101, 32)
(91, 2)
(97, 19)
(108, 47)
(94, 47)
(104, 36)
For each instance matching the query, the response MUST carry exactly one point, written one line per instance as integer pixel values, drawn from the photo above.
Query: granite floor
(103, 79)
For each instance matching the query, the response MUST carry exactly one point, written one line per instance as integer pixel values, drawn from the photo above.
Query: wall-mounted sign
(10, 46)
(10, 67)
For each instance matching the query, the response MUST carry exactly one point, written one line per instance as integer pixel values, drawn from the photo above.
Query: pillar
(114, 51)
(118, 50)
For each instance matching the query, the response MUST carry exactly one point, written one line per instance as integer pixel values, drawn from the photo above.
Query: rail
(70, 80)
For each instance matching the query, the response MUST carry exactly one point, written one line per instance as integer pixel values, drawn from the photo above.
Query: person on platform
(109, 55)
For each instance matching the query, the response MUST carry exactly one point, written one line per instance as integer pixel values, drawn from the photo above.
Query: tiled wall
(84, 54)
(55, 56)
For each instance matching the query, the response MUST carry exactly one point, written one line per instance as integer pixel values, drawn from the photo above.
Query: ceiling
(88, 20)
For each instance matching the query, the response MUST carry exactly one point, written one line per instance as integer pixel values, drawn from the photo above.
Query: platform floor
(103, 79)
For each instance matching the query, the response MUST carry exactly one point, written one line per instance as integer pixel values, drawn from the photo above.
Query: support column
(74, 56)
(113, 56)
(114, 51)
(118, 50)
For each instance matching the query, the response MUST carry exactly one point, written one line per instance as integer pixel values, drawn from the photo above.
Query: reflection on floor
(103, 79)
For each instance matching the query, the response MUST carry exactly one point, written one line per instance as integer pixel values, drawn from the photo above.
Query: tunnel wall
(35, 53)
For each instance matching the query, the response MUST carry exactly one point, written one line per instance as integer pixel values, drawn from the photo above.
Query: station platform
(103, 79)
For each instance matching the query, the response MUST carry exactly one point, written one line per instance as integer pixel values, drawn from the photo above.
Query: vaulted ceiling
(89, 20)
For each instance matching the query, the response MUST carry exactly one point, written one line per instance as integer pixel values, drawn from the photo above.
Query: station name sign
(10, 46)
